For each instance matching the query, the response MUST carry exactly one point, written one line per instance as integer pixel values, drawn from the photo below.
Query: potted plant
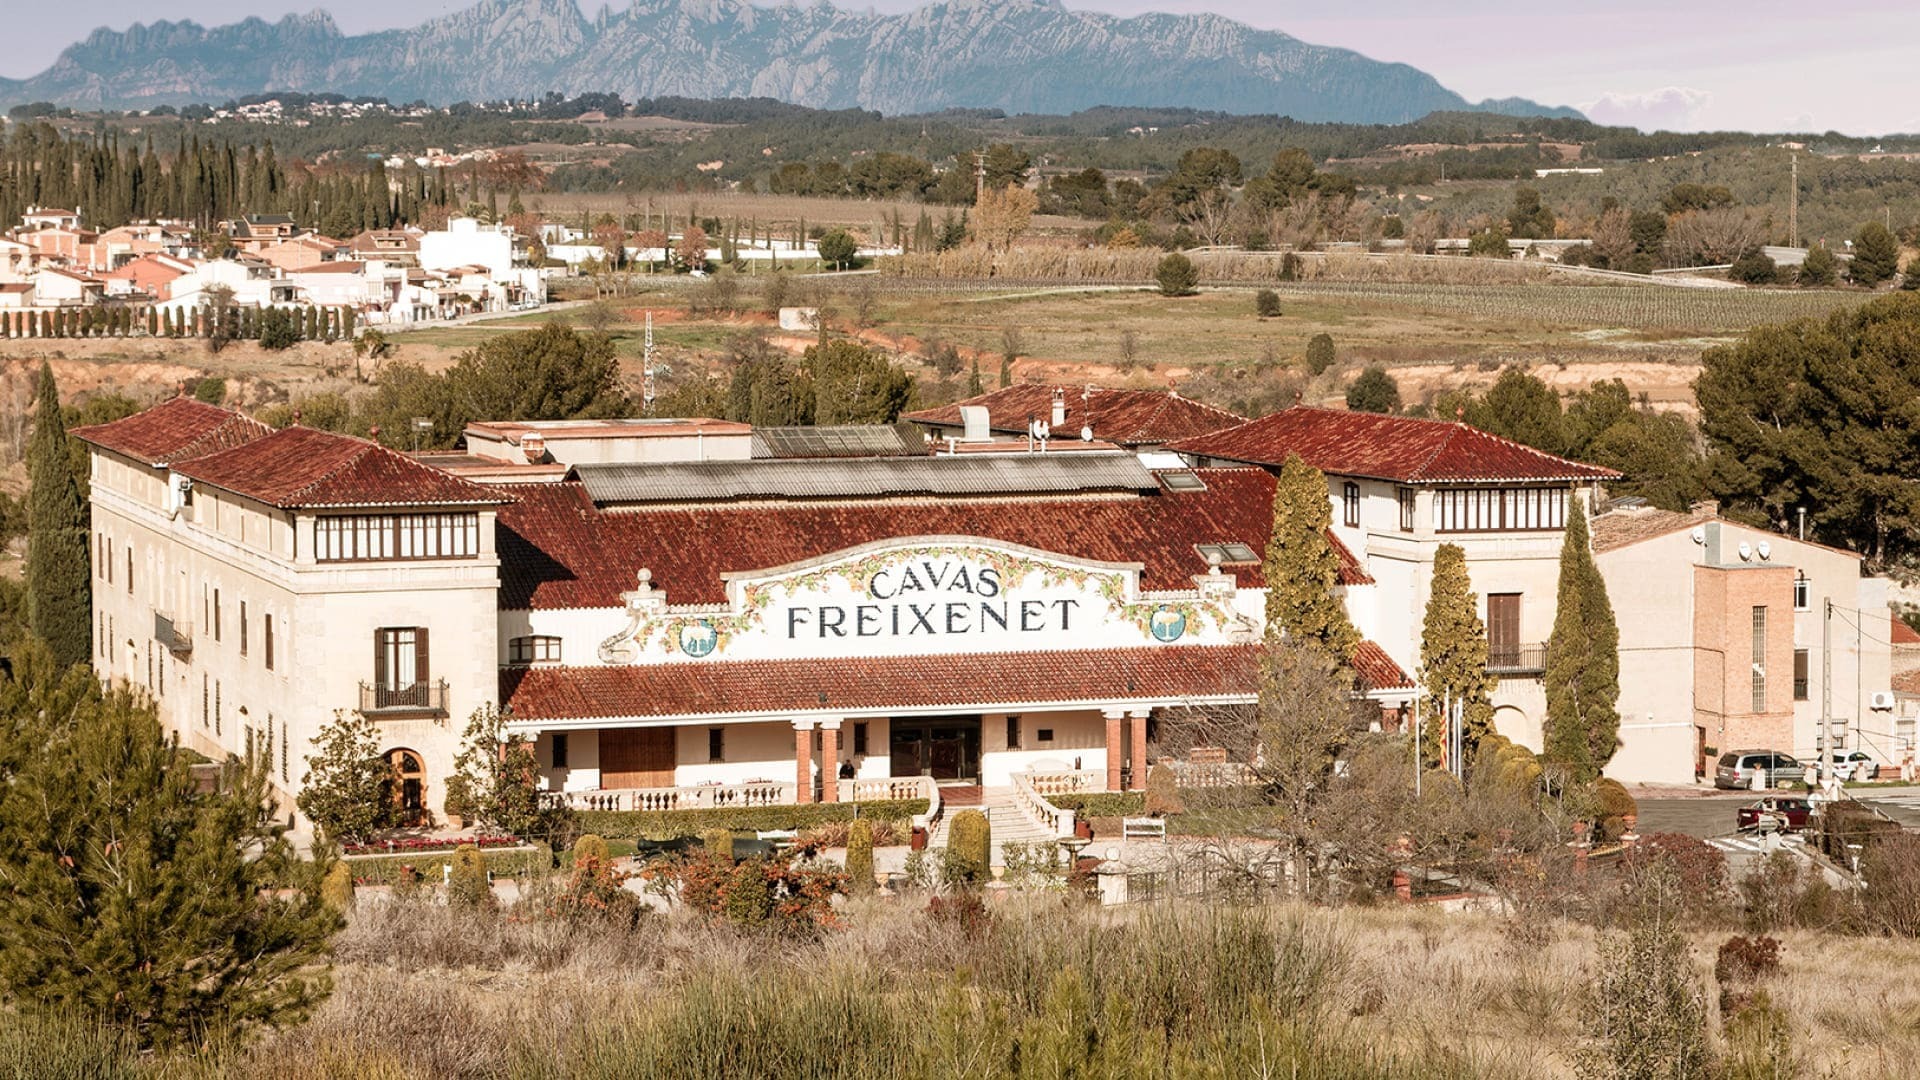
(459, 804)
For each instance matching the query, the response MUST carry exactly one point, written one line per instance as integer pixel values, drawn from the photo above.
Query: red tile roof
(1127, 417)
(720, 688)
(1904, 634)
(301, 467)
(1377, 670)
(1907, 682)
(1398, 448)
(174, 431)
(557, 550)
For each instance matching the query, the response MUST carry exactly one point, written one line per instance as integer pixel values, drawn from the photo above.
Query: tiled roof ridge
(1455, 428)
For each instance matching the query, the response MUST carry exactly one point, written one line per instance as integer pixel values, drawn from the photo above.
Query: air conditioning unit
(1883, 700)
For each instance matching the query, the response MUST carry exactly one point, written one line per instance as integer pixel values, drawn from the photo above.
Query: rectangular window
(268, 733)
(860, 737)
(216, 614)
(1500, 509)
(217, 710)
(284, 771)
(534, 649)
(559, 749)
(1405, 498)
(1799, 674)
(1802, 598)
(99, 556)
(716, 744)
(1350, 503)
(266, 638)
(204, 710)
(109, 560)
(1759, 659)
(1044, 735)
(363, 537)
(1013, 733)
(243, 628)
(1503, 630)
(400, 658)
(129, 569)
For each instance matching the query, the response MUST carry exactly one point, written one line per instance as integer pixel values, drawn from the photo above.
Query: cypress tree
(1301, 568)
(59, 603)
(1453, 654)
(1583, 661)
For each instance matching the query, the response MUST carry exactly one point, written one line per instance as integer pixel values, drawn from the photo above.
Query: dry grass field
(1059, 989)
(768, 210)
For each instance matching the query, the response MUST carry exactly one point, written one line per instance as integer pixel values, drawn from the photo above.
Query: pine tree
(1583, 661)
(1301, 569)
(59, 601)
(1453, 654)
(128, 895)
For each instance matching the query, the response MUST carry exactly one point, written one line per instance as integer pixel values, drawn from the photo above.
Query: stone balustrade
(695, 797)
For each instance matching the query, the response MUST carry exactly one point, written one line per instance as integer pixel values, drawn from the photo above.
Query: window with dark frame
(559, 754)
(1800, 667)
(1044, 735)
(366, 537)
(243, 628)
(1013, 733)
(1350, 500)
(716, 744)
(1405, 498)
(216, 614)
(1802, 593)
(266, 638)
(129, 569)
(1759, 658)
(1499, 509)
(860, 737)
(534, 649)
(400, 669)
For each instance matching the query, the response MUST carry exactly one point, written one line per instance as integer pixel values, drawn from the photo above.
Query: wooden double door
(636, 757)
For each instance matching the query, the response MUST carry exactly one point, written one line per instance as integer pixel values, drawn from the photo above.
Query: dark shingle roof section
(1397, 448)
(558, 550)
(305, 468)
(719, 688)
(631, 483)
(1127, 417)
(174, 431)
(839, 441)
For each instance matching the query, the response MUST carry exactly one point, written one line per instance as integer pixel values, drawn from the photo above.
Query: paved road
(1703, 816)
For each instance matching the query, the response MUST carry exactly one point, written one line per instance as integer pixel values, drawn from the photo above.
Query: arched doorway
(407, 787)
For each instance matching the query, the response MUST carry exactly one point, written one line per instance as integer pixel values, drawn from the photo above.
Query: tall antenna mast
(979, 175)
(1793, 207)
(646, 370)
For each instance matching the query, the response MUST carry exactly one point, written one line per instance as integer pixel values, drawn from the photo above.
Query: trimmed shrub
(1163, 792)
(860, 857)
(1176, 276)
(718, 843)
(1102, 804)
(749, 894)
(1612, 805)
(678, 824)
(1754, 268)
(336, 889)
(969, 849)
(468, 883)
(1266, 304)
(589, 847)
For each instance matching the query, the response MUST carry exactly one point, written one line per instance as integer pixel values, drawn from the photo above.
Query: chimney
(975, 425)
(534, 446)
(1059, 418)
(1705, 508)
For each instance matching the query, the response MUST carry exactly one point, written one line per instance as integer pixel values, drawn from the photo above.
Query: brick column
(1139, 756)
(829, 761)
(1116, 746)
(803, 761)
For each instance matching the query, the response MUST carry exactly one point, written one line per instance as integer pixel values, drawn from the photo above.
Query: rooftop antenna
(646, 369)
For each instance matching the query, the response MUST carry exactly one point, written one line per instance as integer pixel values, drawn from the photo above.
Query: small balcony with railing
(1517, 661)
(421, 698)
(175, 635)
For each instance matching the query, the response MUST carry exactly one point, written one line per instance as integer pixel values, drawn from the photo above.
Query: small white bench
(1144, 827)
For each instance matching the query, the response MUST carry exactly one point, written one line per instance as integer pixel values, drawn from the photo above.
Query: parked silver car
(1737, 767)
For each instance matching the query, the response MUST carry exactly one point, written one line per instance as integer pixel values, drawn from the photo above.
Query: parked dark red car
(1779, 812)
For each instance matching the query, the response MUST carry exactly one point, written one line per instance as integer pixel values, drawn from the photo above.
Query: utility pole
(1793, 206)
(1826, 683)
(646, 370)
(979, 175)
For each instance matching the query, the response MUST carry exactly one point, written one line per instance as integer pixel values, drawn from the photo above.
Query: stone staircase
(1009, 824)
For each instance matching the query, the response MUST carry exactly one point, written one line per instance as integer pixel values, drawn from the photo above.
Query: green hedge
(677, 824)
(1103, 804)
(511, 862)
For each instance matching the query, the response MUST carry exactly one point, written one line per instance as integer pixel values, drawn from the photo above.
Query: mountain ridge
(1035, 56)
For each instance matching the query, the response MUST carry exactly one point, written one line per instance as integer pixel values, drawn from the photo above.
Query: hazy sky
(1687, 64)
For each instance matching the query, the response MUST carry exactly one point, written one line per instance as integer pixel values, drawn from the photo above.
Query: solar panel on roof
(1182, 480)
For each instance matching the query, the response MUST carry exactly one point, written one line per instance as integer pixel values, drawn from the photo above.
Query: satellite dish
(1086, 434)
(1699, 534)
(1766, 551)
(1746, 551)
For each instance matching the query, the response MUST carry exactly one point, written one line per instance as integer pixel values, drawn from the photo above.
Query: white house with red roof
(1399, 488)
(682, 633)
